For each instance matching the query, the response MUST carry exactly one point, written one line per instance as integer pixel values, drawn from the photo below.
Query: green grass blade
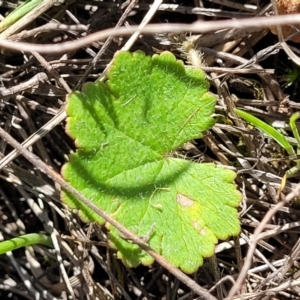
(18, 13)
(25, 240)
(267, 129)
(293, 126)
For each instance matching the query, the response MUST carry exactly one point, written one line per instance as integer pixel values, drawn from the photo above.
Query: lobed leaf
(124, 130)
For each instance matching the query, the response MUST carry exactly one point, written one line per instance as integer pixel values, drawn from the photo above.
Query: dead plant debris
(244, 67)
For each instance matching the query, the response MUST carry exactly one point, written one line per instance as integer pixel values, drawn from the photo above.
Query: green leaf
(124, 130)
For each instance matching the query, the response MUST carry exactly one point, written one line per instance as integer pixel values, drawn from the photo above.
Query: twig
(255, 239)
(46, 28)
(136, 34)
(52, 71)
(35, 80)
(212, 12)
(200, 27)
(145, 21)
(61, 115)
(94, 61)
